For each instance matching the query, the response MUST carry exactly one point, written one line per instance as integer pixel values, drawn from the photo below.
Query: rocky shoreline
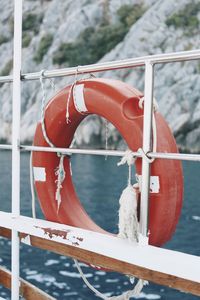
(56, 36)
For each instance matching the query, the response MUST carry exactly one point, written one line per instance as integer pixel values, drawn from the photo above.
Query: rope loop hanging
(124, 296)
(70, 94)
(154, 129)
(60, 171)
(43, 110)
(145, 156)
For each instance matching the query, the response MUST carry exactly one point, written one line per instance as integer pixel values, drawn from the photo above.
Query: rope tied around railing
(154, 129)
(59, 172)
(128, 220)
(70, 93)
(41, 78)
(43, 110)
(128, 229)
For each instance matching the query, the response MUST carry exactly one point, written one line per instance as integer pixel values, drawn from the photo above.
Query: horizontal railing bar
(69, 151)
(6, 79)
(119, 64)
(175, 156)
(113, 65)
(5, 147)
(27, 289)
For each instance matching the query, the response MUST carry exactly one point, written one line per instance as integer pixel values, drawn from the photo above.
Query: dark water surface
(99, 183)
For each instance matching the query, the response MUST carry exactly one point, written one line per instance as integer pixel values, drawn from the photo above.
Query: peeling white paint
(26, 240)
(157, 259)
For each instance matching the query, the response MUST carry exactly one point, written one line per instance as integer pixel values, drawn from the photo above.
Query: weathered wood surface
(27, 290)
(170, 268)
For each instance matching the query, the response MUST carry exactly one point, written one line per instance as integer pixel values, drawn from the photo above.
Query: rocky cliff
(74, 32)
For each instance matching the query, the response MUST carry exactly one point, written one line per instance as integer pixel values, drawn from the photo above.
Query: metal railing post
(147, 132)
(16, 109)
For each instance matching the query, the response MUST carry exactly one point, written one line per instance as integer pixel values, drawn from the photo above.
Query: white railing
(147, 61)
(114, 65)
(16, 114)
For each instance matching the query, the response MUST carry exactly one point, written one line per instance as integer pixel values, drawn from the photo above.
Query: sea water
(99, 183)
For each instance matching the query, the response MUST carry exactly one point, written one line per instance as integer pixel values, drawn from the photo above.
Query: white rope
(72, 91)
(46, 138)
(52, 84)
(141, 102)
(69, 95)
(145, 156)
(128, 222)
(68, 101)
(32, 187)
(124, 296)
(130, 160)
(60, 173)
(128, 229)
(89, 285)
(129, 174)
(131, 293)
(43, 110)
(154, 129)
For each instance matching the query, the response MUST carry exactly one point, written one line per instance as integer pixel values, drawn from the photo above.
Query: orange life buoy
(118, 103)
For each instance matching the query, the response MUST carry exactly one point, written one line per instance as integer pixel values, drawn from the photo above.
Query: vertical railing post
(16, 110)
(147, 133)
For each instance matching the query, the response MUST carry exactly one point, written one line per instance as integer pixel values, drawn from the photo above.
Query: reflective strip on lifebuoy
(118, 103)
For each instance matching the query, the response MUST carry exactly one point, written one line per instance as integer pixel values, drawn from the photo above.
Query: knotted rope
(43, 110)
(59, 172)
(68, 99)
(155, 108)
(128, 229)
(130, 160)
(128, 221)
(44, 134)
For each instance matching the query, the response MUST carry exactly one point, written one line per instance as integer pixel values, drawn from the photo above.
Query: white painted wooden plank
(157, 259)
